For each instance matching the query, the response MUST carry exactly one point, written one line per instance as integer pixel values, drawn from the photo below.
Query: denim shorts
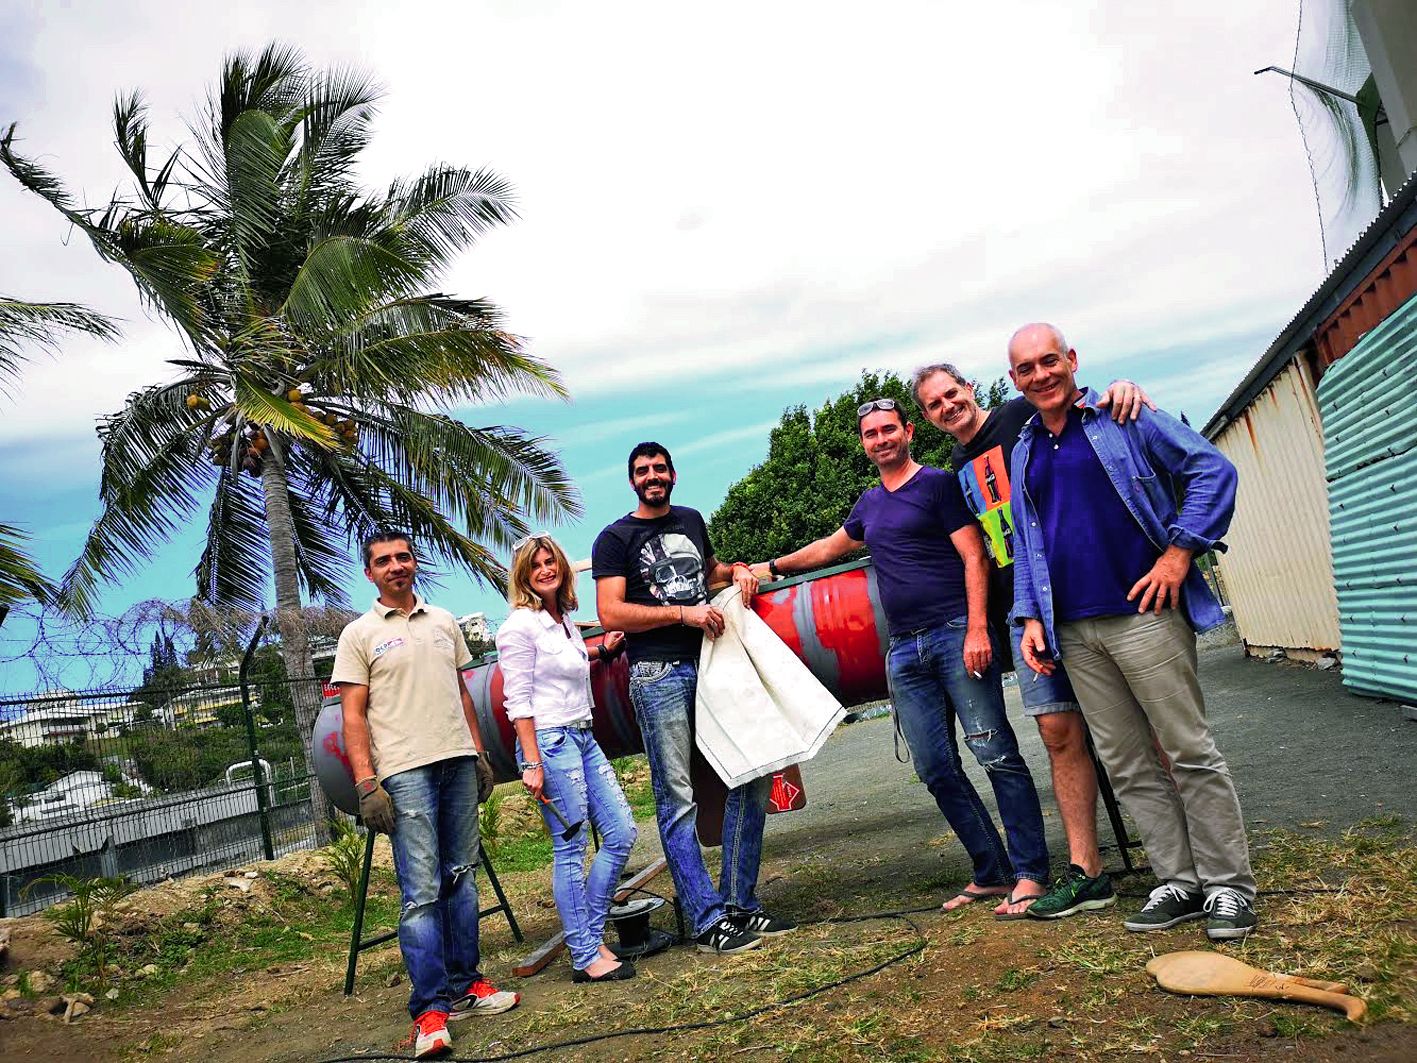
(1042, 694)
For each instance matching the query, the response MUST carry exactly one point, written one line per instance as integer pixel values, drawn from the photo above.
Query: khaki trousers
(1135, 676)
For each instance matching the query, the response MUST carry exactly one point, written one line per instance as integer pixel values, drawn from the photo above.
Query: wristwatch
(772, 567)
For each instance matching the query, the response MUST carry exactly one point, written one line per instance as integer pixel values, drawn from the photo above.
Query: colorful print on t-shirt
(985, 483)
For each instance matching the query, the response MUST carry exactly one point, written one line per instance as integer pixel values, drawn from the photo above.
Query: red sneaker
(483, 998)
(430, 1035)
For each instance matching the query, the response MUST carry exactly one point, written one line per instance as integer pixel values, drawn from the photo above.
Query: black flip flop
(1009, 917)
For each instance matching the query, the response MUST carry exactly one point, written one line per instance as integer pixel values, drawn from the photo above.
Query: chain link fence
(168, 779)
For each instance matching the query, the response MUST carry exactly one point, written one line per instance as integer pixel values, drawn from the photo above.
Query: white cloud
(762, 197)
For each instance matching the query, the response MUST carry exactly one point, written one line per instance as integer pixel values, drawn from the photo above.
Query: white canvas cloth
(759, 708)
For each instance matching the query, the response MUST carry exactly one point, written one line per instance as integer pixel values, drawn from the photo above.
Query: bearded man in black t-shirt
(652, 571)
(984, 440)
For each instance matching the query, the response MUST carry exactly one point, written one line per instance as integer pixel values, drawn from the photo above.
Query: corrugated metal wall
(1387, 287)
(1277, 571)
(1370, 436)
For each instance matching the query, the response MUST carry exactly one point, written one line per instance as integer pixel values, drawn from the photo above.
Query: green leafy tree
(188, 758)
(25, 769)
(319, 352)
(160, 686)
(23, 327)
(815, 470)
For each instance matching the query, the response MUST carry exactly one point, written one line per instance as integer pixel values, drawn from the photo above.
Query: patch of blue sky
(716, 424)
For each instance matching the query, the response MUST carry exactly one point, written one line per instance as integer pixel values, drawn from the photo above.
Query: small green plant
(489, 824)
(1013, 979)
(86, 919)
(346, 853)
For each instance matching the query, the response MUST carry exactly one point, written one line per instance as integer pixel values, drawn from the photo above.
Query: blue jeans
(930, 689)
(435, 854)
(582, 783)
(663, 696)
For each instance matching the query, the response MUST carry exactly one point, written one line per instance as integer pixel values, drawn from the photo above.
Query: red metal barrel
(831, 619)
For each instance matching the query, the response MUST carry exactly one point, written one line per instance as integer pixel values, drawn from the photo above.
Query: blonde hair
(519, 590)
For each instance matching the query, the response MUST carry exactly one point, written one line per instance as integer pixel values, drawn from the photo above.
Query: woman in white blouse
(546, 690)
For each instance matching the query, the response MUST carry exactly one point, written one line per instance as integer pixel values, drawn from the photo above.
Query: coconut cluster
(252, 443)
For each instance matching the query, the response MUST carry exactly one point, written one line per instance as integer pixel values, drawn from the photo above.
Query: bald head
(1035, 335)
(1043, 368)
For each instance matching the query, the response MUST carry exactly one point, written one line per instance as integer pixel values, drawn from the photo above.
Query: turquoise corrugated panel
(1368, 402)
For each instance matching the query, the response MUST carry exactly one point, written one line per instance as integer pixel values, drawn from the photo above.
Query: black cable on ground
(704, 1024)
(903, 915)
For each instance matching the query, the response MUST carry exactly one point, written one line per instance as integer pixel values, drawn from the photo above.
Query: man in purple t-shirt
(943, 663)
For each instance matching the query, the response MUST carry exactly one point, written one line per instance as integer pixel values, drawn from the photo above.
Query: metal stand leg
(358, 945)
(1114, 811)
(359, 902)
(501, 905)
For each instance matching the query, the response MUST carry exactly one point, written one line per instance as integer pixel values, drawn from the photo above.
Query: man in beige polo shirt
(411, 735)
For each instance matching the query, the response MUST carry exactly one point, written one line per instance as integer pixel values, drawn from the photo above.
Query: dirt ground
(1314, 766)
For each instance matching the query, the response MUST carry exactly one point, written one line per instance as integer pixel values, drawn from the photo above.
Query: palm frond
(273, 81)
(257, 146)
(166, 260)
(153, 421)
(39, 325)
(255, 403)
(235, 562)
(341, 278)
(336, 115)
(153, 472)
(130, 133)
(451, 350)
(442, 212)
(20, 578)
(321, 555)
(172, 266)
(487, 477)
(368, 497)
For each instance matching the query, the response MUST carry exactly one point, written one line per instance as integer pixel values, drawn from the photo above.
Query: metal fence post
(263, 801)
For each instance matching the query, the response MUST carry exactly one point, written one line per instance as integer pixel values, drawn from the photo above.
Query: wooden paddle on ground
(1215, 974)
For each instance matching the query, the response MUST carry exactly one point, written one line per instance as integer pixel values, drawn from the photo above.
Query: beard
(641, 490)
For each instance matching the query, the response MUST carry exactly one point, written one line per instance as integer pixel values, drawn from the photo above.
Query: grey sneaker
(1167, 906)
(1230, 916)
(1074, 892)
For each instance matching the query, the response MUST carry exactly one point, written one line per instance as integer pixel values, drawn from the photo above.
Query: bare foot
(972, 893)
(606, 954)
(1025, 892)
(601, 965)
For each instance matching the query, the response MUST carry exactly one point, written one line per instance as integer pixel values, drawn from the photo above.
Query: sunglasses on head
(527, 540)
(876, 404)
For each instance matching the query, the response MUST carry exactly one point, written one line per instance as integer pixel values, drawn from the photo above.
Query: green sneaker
(1074, 892)
(1230, 916)
(1167, 906)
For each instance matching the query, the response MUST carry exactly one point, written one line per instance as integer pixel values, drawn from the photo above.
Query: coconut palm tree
(25, 326)
(307, 409)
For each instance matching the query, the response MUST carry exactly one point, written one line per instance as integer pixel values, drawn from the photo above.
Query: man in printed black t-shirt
(943, 661)
(652, 570)
(985, 439)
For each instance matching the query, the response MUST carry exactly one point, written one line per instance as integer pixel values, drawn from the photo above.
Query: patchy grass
(633, 773)
(980, 991)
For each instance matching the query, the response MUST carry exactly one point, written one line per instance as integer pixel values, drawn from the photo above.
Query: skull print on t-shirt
(672, 568)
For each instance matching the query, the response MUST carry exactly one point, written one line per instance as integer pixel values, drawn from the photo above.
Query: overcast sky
(725, 209)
